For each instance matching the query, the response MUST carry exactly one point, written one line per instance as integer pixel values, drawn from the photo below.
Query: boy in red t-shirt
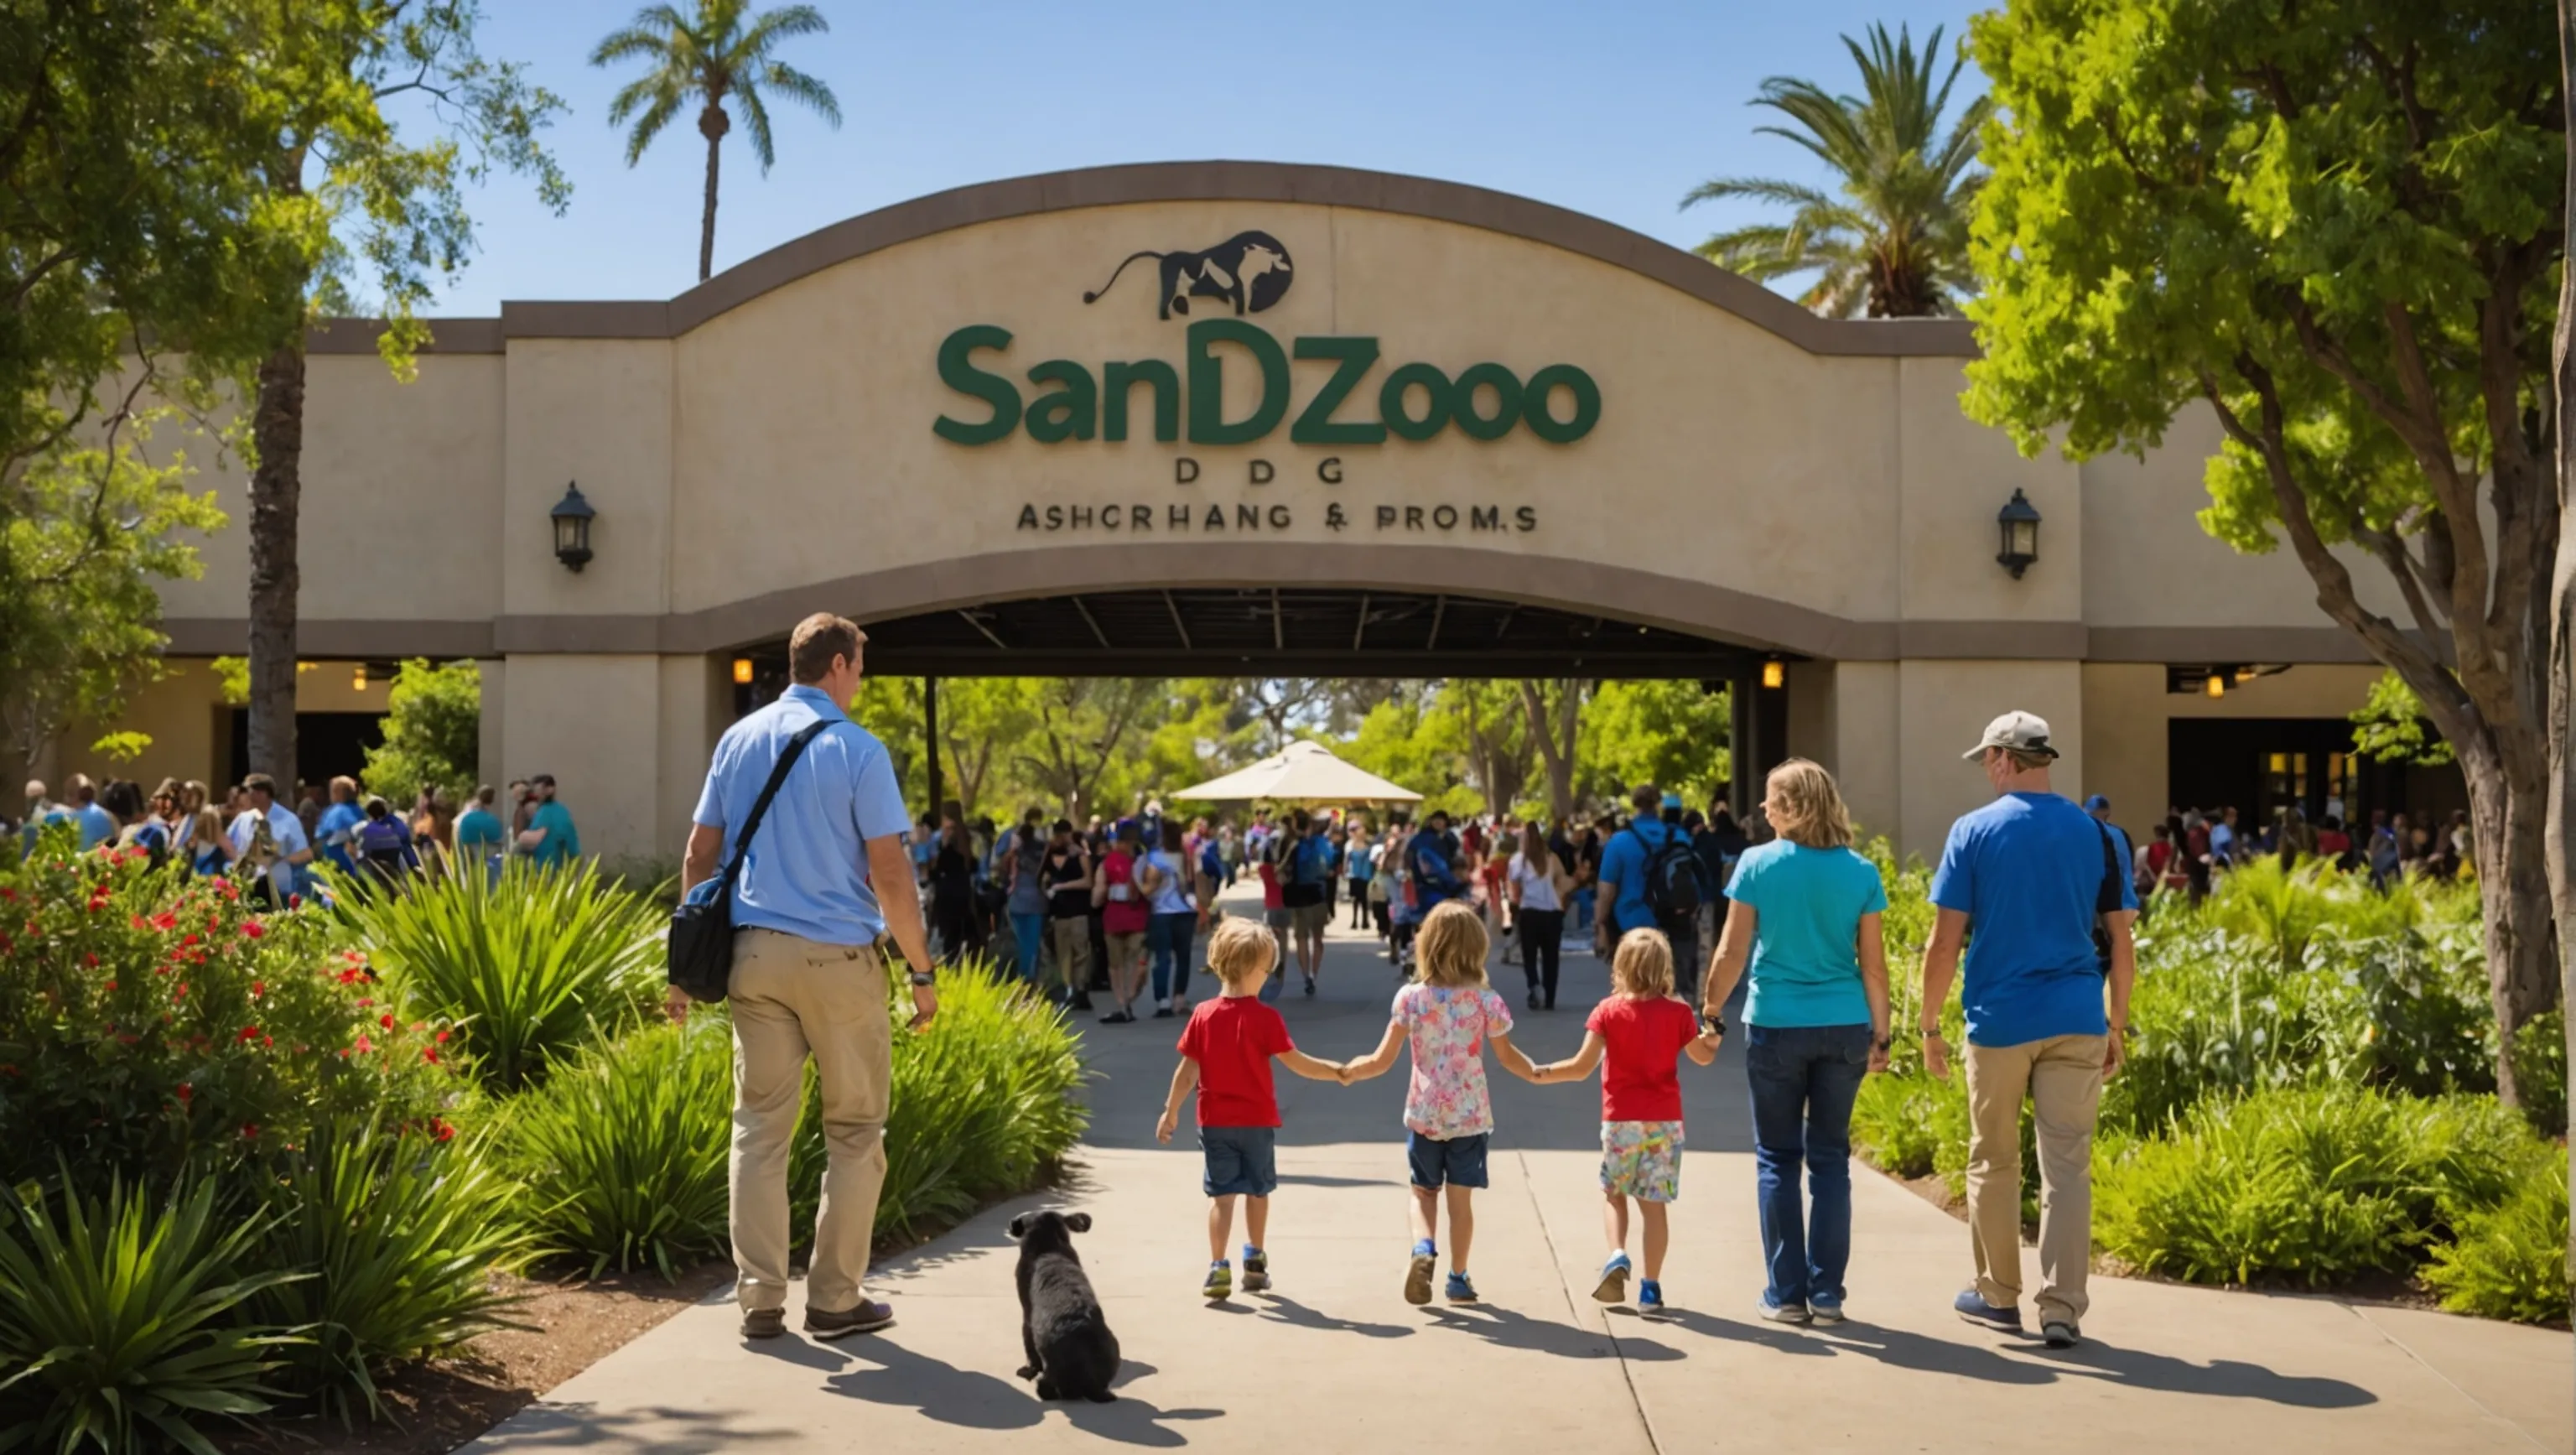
(1226, 1052)
(1643, 1030)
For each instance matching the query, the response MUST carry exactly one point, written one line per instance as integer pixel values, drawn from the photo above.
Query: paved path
(1337, 1362)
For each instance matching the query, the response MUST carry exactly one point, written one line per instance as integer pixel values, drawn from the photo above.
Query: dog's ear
(1019, 1227)
(1079, 1222)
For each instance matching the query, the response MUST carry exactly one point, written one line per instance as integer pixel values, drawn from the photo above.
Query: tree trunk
(2561, 832)
(276, 493)
(2509, 822)
(712, 124)
(1556, 741)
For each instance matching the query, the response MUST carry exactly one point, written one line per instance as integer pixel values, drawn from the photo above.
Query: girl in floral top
(1448, 1018)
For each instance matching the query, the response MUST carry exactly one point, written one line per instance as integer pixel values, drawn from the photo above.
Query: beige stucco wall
(599, 412)
(184, 713)
(595, 723)
(1941, 709)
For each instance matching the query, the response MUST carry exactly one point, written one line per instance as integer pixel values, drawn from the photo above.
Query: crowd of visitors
(251, 833)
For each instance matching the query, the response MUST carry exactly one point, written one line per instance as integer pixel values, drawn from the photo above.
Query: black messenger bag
(701, 944)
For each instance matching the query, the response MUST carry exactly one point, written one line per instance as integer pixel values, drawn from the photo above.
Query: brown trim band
(2310, 645)
(446, 336)
(1213, 181)
(218, 636)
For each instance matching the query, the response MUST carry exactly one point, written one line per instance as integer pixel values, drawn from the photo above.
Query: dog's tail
(1113, 276)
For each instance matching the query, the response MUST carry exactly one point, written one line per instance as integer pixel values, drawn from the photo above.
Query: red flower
(165, 921)
(249, 1130)
(258, 988)
(111, 985)
(253, 929)
(137, 922)
(442, 1038)
(90, 960)
(429, 1054)
(365, 1000)
(386, 1021)
(295, 901)
(225, 888)
(187, 1092)
(181, 993)
(364, 1045)
(249, 1034)
(446, 1133)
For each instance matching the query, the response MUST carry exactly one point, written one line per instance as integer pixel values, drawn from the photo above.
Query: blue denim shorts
(1241, 1161)
(1459, 1161)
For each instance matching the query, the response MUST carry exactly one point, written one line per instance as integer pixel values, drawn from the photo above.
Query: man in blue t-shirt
(2030, 875)
(1626, 859)
(340, 824)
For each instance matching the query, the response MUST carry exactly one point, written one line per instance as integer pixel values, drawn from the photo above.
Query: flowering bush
(150, 1022)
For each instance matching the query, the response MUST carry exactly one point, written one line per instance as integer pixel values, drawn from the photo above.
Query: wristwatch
(924, 977)
(1712, 1023)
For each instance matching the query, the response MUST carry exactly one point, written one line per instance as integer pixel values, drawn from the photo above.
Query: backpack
(384, 845)
(1674, 890)
(1303, 861)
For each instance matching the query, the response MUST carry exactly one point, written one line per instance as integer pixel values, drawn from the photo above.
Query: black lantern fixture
(572, 516)
(2018, 523)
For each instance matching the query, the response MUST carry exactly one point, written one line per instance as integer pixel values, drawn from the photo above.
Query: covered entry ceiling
(1286, 631)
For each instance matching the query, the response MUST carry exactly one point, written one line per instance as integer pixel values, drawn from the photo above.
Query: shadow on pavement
(972, 1399)
(1274, 1309)
(1512, 1330)
(583, 1426)
(2133, 1368)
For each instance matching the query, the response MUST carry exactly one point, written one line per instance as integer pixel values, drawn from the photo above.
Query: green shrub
(623, 1150)
(2540, 1059)
(115, 1322)
(151, 1023)
(394, 1238)
(1893, 1123)
(2510, 1261)
(531, 969)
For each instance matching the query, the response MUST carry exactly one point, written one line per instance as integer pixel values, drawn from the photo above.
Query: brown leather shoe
(867, 1318)
(764, 1323)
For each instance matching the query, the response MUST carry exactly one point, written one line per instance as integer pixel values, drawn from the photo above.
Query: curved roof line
(1211, 181)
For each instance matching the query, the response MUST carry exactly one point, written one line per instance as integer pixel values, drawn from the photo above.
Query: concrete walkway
(1336, 1361)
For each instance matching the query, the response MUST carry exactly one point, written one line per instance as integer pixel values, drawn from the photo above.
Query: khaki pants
(1072, 940)
(2063, 1077)
(793, 998)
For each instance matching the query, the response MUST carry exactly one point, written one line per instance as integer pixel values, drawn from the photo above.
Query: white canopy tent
(1305, 772)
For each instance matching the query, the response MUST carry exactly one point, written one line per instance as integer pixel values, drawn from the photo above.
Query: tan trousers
(794, 998)
(1072, 941)
(2062, 1075)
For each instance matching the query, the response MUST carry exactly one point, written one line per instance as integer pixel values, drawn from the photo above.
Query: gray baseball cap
(2022, 732)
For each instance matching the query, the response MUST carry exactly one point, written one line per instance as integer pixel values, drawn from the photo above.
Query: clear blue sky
(1614, 107)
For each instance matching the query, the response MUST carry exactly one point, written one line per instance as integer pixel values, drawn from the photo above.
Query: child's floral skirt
(1642, 1160)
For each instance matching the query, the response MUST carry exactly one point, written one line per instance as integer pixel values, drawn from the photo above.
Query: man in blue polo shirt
(2031, 875)
(825, 877)
(1627, 859)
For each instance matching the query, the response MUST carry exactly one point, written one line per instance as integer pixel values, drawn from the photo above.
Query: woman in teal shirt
(1805, 909)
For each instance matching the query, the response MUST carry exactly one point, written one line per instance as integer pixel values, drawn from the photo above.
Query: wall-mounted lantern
(742, 671)
(572, 517)
(358, 677)
(2018, 526)
(2217, 684)
(1775, 672)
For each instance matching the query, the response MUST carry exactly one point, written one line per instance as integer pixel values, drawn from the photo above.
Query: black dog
(1249, 270)
(1072, 1354)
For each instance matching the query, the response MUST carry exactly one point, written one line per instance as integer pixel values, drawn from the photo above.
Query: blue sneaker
(1417, 1273)
(1459, 1289)
(1650, 1296)
(1972, 1306)
(1613, 1287)
(1824, 1310)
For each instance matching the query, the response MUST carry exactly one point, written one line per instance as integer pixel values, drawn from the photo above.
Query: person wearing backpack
(1651, 879)
(382, 845)
(1307, 872)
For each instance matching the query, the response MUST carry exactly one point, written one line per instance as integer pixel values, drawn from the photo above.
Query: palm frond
(1763, 189)
(661, 103)
(808, 91)
(755, 120)
(752, 46)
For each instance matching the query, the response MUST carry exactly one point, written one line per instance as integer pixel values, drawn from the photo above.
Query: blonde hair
(1240, 950)
(1805, 807)
(208, 829)
(1450, 947)
(1643, 966)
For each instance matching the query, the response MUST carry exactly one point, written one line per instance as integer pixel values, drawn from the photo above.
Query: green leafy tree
(2338, 227)
(2389, 726)
(717, 50)
(140, 265)
(1893, 243)
(393, 199)
(1674, 735)
(1079, 752)
(433, 731)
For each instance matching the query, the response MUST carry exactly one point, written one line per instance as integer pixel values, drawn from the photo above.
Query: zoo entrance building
(1323, 421)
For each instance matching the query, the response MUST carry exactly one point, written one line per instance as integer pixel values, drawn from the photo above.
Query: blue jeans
(1167, 936)
(1028, 936)
(1805, 1079)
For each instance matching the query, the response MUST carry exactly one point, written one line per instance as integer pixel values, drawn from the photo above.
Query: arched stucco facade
(764, 445)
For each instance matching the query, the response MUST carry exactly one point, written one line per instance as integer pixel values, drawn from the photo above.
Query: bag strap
(2110, 889)
(787, 757)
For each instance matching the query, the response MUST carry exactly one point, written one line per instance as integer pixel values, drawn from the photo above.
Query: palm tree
(1896, 240)
(720, 51)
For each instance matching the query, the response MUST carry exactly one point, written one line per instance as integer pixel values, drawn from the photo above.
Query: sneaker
(1613, 1287)
(1825, 1310)
(1533, 1000)
(1972, 1306)
(1256, 1270)
(1650, 1296)
(1080, 1001)
(1459, 1290)
(1782, 1313)
(1220, 1282)
(1310, 987)
(1163, 1013)
(764, 1323)
(1417, 1274)
(1118, 1017)
(867, 1318)
(2060, 1334)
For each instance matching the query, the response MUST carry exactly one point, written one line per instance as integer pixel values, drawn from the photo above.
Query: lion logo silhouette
(1249, 270)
